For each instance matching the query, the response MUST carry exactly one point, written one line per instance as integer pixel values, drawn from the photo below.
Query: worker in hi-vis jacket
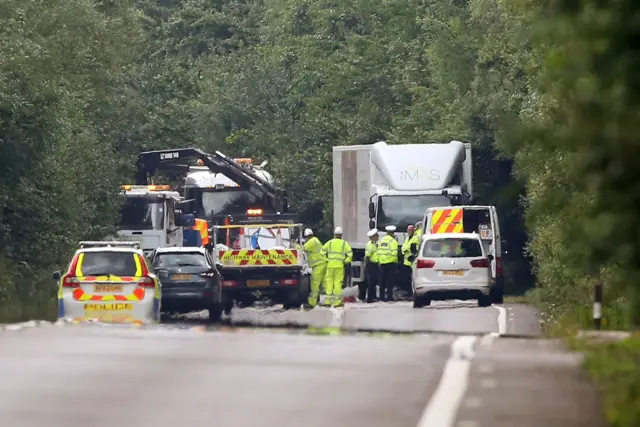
(339, 255)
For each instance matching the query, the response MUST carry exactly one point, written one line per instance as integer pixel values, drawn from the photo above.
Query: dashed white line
(502, 319)
(443, 406)
(488, 383)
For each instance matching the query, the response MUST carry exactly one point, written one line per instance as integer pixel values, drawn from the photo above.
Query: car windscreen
(452, 248)
(122, 264)
(180, 259)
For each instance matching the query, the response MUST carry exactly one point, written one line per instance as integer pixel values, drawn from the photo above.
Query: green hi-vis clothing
(418, 234)
(371, 252)
(388, 250)
(406, 249)
(447, 249)
(313, 249)
(338, 253)
(318, 264)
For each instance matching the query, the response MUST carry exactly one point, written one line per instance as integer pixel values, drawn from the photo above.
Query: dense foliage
(545, 94)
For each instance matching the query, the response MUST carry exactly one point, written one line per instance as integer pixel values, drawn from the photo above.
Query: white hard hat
(372, 233)
(338, 230)
(390, 228)
(308, 232)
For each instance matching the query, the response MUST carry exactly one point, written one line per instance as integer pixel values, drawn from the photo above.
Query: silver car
(109, 282)
(452, 266)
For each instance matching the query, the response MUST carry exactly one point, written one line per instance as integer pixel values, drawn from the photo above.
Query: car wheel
(228, 306)
(484, 301)
(497, 293)
(419, 302)
(215, 312)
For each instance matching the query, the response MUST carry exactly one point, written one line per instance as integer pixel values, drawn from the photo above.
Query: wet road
(459, 368)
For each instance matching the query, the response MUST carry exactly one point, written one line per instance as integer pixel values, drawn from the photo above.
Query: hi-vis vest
(388, 250)
(371, 252)
(406, 249)
(446, 249)
(313, 249)
(203, 227)
(338, 253)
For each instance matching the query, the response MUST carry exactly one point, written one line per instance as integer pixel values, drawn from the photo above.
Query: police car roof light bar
(108, 243)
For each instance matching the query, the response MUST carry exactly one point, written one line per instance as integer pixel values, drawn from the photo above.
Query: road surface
(462, 366)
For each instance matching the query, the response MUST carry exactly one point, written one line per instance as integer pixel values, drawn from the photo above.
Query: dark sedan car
(190, 281)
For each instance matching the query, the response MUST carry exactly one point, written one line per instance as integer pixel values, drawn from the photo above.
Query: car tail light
(498, 266)
(480, 263)
(147, 282)
(229, 283)
(425, 263)
(71, 281)
(289, 282)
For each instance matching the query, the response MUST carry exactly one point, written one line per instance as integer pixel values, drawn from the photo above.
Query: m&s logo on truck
(419, 174)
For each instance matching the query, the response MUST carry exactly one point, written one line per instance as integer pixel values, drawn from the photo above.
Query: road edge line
(442, 408)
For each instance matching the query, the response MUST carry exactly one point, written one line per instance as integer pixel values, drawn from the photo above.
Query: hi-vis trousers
(317, 276)
(333, 285)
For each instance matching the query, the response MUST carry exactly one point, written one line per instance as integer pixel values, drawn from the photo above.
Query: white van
(469, 219)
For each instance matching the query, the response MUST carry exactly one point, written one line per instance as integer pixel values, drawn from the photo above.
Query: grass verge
(615, 368)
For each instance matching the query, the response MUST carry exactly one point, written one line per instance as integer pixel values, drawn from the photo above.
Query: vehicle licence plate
(257, 283)
(108, 288)
(453, 273)
(181, 277)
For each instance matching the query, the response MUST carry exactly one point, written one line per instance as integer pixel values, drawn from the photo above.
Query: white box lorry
(384, 184)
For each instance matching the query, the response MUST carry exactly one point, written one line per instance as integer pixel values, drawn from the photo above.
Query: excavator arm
(150, 162)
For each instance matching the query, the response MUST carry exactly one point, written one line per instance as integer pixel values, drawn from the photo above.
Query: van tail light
(480, 263)
(289, 282)
(425, 263)
(229, 283)
(498, 266)
(147, 282)
(70, 281)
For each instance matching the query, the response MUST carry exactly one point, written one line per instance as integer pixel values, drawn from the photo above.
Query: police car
(109, 281)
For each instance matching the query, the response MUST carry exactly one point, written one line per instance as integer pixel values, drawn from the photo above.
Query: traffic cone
(279, 237)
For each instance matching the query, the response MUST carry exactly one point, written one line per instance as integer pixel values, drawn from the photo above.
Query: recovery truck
(380, 184)
(150, 215)
(266, 261)
(223, 191)
(221, 187)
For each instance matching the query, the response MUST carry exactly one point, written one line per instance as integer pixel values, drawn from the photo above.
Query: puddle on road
(203, 326)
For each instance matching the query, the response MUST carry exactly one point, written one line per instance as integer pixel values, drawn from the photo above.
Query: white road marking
(487, 340)
(488, 383)
(473, 402)
(467, 423)
(443, 406)
(485, 369)
(502, 319)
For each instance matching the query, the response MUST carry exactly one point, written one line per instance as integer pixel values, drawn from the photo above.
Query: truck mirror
(372, 224)
(56, 275)
(178, 218)
(372, 211)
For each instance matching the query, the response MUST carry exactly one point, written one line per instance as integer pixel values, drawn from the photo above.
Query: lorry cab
(150, 215)
(482, 220)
